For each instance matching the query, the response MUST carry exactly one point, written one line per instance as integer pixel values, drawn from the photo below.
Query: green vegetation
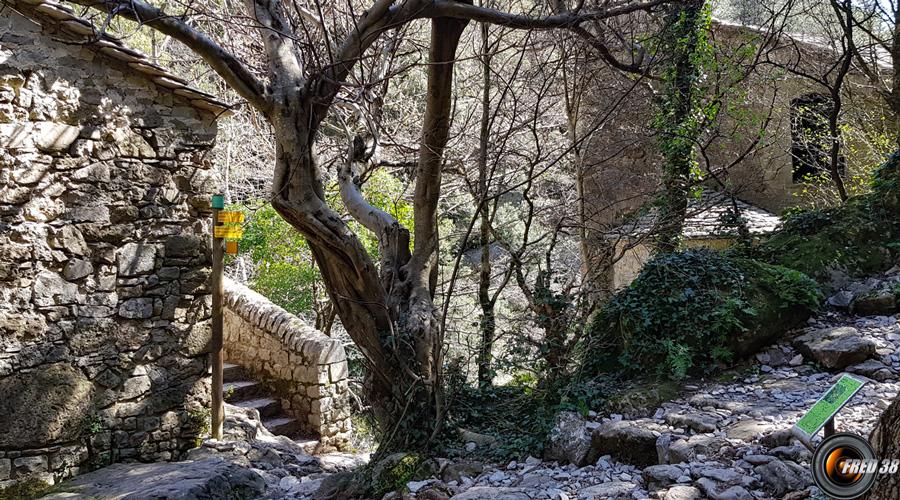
(518, 416)
(692, 311)
(201, 419)
(27, 489)
(681, 111)
(284, 270)
(394, 471)
(94, 425)
(861, 237)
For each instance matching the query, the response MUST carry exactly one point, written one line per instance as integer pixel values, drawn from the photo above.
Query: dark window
(810, 141)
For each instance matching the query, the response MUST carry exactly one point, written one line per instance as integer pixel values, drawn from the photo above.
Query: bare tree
(308, 59)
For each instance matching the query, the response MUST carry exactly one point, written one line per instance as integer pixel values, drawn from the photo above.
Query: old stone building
(104, 299)
(753, 151)
(706, 226)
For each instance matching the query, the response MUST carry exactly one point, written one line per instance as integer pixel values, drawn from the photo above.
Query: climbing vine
(681, 110)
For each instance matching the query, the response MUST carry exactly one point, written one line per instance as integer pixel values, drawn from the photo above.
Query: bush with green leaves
(284, 270)
(690, 312)
(861, 237)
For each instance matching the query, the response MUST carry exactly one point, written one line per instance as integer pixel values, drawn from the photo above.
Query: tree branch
(233, 71)
(458, 10)
(371, 217)
(285, 71)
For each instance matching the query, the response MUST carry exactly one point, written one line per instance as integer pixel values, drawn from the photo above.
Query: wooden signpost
(221, 232)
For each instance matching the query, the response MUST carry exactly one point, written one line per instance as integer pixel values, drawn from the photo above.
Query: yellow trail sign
(231, 217)
(234, 233)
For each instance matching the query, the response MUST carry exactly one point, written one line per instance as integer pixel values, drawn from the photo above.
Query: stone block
(43, 406)
(76, 269)
(136, 308)
(185, 246)
(43, 209)
(135, 386)
(54, 137)
(87, 213)
(338, 371)
(52, 289)
(321, 405)
(30, 465)
(136, 258)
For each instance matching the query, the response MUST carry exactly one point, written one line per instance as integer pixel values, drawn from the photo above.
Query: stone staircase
(241, 391)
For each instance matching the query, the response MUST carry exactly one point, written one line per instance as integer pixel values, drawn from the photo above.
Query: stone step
(266, 407)
(232, 372)
(241, 390)
(284, 426)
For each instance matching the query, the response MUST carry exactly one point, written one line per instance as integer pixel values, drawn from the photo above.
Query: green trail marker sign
(828, 405)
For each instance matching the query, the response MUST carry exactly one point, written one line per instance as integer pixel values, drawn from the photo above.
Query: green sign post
(822, 413)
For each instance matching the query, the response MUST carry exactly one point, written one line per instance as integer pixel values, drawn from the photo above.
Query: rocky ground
(719, 439)
(724, 440)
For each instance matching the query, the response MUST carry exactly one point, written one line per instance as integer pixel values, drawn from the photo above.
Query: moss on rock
(393, 471)
(860, 237)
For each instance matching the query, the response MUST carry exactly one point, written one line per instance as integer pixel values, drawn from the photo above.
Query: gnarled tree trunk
(885, 441)
(390, 315)
(388, 312)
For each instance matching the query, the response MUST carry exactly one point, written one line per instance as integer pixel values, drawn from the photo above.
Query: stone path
(719, 440)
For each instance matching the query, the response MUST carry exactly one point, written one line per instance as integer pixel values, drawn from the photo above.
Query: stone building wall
(621, 153)
(305, 368)
(634, 256)
(104, 301)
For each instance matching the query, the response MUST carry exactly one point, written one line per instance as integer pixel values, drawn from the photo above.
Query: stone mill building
(105, 259)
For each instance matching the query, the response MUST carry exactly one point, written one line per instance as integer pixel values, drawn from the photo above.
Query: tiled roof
(706, 219)
(53, 15)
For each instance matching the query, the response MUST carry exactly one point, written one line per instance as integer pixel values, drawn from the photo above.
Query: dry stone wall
(104, 301)
(303, 366)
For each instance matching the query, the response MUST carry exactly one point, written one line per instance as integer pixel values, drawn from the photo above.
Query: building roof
(872, 52)
(52, 15)
(706, 219)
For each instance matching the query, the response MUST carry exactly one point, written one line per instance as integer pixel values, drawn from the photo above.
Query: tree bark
(488, 323)
(893, 99)
(834, 152)
(680, 39)
(885, 441)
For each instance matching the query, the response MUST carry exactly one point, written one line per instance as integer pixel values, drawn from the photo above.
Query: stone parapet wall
(303, 366)
(104, 260)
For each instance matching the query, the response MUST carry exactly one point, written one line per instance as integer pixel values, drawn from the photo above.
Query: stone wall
(621, 152)
(634, 256)
(104, 302)
(305, 368)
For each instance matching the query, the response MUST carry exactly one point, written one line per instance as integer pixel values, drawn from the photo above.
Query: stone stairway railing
(305, 368)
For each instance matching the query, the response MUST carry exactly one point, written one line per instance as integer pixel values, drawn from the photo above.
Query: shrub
(861, 237)
(688, 312)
